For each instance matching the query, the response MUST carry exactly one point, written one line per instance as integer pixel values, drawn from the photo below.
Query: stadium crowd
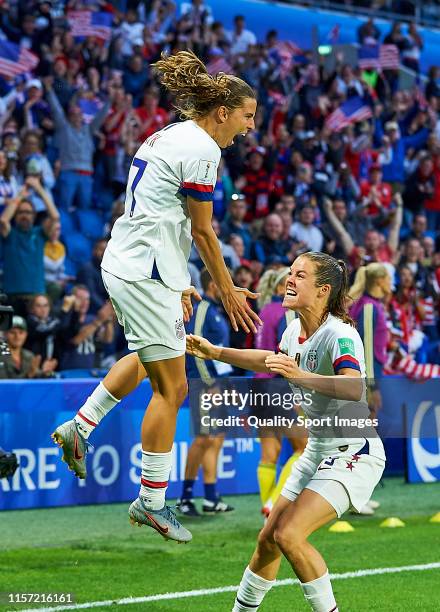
(366, 192)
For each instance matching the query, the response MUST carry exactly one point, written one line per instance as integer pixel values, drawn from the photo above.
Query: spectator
(234, 223)
(89, 275)
(42, 328)
(75, 141)
(396, 147)
(21, 363)
(271, 245)
(150, 115)
(255, 185)
(368, 33)
(8, 183)
(240, 38)
(54, 258)
(305, 232)
(377, 195)
(80, 330)
(23, 245)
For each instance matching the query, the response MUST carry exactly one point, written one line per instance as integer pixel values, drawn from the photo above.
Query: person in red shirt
(375, 193)
(150, 115)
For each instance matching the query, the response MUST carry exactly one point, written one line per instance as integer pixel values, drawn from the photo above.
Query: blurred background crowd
(342, 161)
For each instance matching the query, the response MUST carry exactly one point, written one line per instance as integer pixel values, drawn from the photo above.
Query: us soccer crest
(312, 360)
(180, 329)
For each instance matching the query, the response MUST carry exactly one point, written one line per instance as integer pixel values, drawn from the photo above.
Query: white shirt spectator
(241, 40)
(132, 34)
(309, 234)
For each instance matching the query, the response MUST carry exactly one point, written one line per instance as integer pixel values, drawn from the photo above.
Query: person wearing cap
(35, 112)
(21, 363)
(393, 167)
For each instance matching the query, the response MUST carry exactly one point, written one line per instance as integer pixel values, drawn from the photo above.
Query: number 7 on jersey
(140, 164)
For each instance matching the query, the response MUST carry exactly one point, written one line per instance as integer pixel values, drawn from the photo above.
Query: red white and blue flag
(90, 23)
(219, 64)
(286, 55)
(15, 60)
(90, 108)
(380, 57)
(352, 110)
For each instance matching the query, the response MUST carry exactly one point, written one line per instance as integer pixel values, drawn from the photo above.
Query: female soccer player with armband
(323, 354)
(144, 268)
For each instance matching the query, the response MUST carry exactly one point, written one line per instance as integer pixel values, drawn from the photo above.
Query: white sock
(251, 591)
(156, 468)
(319, 594)
(95, 408)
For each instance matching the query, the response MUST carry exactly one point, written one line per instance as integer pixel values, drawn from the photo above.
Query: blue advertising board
(423, 444)
(30, 411)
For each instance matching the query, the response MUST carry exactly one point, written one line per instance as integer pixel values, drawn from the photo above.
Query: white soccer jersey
(153, 236)
(335, 345)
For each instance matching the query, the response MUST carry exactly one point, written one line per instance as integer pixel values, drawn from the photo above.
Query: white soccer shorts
(151, 315)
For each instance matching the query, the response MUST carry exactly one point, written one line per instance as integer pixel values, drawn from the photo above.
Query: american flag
(90, 23)
(219, 64)
(285, 53)
(89, 108)
(15, 60)
(380, 57)
(354, 109)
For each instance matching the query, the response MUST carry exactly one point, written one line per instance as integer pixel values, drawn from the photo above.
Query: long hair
(366, 278)
(195, 91)
(333, 272)
(268, 283)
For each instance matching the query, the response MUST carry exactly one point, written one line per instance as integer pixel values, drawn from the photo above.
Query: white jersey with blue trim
(153, 236)
(335, 345)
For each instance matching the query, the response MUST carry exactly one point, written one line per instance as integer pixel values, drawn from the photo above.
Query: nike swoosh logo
(156, 524)
(76, 452)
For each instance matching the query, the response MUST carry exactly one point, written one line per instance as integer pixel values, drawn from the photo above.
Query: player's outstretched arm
(233, 298)
(247, 359)
(346, 385)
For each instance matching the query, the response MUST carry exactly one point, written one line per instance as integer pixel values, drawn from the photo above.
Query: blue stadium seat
(90, 222)
(70, 267)
(67, 223)
(79, 248)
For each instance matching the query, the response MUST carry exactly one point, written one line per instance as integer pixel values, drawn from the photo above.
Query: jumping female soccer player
(144, 269)
(323, 353)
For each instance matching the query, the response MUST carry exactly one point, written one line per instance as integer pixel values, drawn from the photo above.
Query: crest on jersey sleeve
(312, 360)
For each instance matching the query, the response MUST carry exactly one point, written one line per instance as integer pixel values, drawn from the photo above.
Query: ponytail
(333, 272)
(195, 90)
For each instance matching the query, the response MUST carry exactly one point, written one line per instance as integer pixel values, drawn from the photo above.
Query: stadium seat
(91, 223)
(67, 223)
(79, 248)
(70, 267)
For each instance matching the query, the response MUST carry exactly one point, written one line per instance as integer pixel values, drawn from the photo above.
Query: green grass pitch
(93, 552)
